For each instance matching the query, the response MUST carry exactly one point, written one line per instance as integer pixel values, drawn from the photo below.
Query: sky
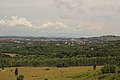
(59, 18)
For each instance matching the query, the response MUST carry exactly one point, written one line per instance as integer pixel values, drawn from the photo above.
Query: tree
(20, 77)
(2, 67)
(16, 71)
(94, 66)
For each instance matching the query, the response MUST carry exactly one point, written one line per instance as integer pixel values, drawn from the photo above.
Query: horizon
(60, 37)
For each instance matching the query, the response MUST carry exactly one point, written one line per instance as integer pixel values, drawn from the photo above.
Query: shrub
(108, 69)
(60, 65)
(20, 77)
(47, 69)
(101, 77)
(112, 69)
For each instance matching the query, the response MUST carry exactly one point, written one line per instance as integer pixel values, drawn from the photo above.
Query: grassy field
(40, 73)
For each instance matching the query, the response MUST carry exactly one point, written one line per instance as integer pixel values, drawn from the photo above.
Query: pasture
(51, 73)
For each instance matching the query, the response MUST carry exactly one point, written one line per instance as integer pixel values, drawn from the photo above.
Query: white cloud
(16, 21)
(54, 26)
(2, 22)
(22, 26)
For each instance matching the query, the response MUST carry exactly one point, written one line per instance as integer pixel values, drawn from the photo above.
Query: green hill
(110, 38)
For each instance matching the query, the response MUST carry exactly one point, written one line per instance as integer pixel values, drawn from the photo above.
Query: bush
(101, 77)
(60, 65)
(118, 70)
(108, 69)
(47, 69)
(20, 77)
(112, 69)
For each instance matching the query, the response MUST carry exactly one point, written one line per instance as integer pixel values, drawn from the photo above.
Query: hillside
(59, 52)
(56, 58)
(110, 38)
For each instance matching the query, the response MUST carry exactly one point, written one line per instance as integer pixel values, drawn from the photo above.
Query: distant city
(69, 41)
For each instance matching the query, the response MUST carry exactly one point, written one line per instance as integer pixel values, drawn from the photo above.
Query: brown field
(40, 73)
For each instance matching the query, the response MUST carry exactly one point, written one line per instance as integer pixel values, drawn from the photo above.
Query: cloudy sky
(59, 18)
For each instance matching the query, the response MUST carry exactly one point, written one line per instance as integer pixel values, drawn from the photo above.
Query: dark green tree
(20, 77)
(16, 71)
(2, 67)
(94, 66)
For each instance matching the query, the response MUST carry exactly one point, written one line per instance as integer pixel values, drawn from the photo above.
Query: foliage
(49, 54)
(20, 77)
(108, 69)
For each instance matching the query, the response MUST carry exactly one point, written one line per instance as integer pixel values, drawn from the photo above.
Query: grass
(40, 73)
